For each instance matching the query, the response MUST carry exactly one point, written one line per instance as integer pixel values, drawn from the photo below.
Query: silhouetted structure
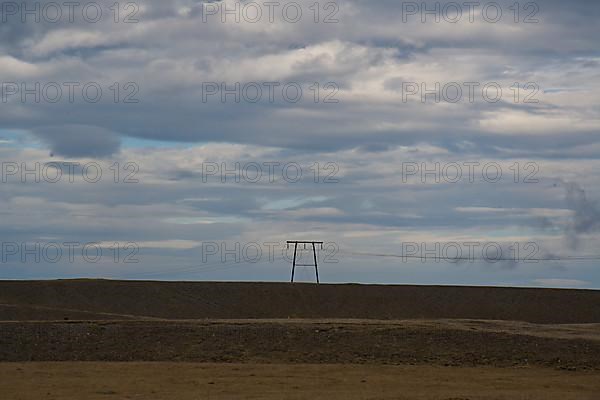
(316, 264)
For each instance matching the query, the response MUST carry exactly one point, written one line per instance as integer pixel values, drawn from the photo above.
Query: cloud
(568, 283)
(79, 140)
(171, 51)
(586, 213)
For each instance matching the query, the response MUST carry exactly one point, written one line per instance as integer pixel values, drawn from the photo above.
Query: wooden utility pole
(316, 263)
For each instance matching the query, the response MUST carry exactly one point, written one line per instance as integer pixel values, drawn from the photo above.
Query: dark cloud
(586, 213)
(79, 140)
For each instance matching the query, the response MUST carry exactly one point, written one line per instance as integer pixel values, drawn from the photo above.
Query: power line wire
(433, 258)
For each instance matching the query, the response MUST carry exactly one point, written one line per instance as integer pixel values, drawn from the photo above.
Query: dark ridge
(105, 299)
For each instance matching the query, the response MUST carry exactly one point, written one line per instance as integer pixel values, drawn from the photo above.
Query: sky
(450, 143)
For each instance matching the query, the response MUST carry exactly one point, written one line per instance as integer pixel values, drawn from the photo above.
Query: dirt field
(182, 381)
(148, 340)
(441, 342)
(100, 299)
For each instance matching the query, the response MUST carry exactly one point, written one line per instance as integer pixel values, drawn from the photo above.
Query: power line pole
(316, 263)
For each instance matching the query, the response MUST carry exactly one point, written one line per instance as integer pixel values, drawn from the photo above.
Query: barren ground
(150, 340)
(101, 299)
(183, 381)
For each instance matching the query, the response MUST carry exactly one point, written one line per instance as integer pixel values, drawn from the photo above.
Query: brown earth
(282, 341)
(102, 299)
(184, 381)
(443, 343)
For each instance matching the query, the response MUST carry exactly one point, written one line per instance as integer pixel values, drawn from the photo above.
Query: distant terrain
(103, 299)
